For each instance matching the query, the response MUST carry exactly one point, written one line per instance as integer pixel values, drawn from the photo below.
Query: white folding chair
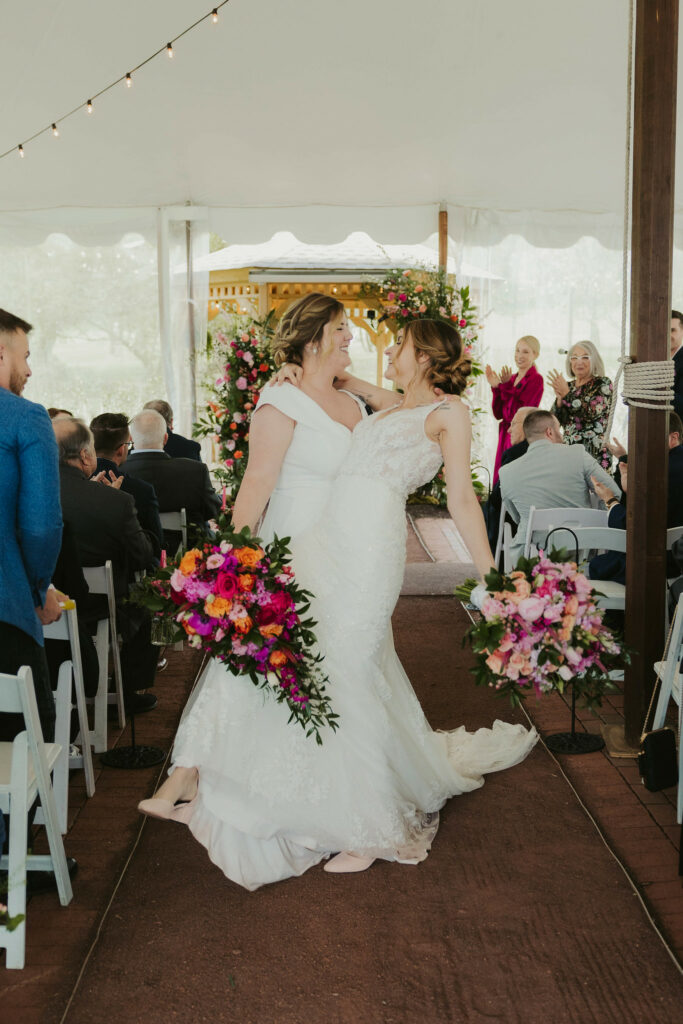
(610, 595)
(25, 767)
(100, 580)
(669, 671)
(66, 628)
(499, 541)
(60, 771)
(507, 544)
(175, 521)
(542, 520)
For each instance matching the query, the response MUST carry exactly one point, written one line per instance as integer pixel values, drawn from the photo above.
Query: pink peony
(178, 580)
(241, 383)
(214, 561)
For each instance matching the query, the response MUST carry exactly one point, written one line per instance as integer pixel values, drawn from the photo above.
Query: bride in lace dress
(267, 802)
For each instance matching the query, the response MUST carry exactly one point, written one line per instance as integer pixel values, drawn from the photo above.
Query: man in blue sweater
(30, 523)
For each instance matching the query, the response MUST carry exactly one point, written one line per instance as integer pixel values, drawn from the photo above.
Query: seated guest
(550, 475)
(518, 447)
(112, 441)
(177, 446)
(611, 565)
(179, 483)
(104, 526)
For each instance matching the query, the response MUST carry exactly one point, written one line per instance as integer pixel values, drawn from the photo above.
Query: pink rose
(423, 309)
(214, 561)
(391, 296)
(178, 581)
(531, 608)
(226, 585)
(463, 323)
(241, 383)
(244, 337)
(402, 297)
(495, 663)
(404, 312)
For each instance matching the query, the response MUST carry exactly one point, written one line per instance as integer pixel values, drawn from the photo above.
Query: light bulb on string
(89, 106)
(129, 79)
(55, 130)
(21, 151)
(214, 15)
(169, 49)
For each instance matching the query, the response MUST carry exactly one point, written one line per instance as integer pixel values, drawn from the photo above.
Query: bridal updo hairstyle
(301, 323)
(448, 367)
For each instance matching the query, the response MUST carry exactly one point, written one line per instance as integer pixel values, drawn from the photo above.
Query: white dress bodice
(318, 448)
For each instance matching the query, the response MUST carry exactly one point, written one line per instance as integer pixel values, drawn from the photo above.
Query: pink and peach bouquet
(541, 630)
(237, 599)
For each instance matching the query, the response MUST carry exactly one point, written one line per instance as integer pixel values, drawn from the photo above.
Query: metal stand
(132, 756)
(573, 742)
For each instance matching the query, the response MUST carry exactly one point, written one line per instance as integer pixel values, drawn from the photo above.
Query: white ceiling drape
(318, 118)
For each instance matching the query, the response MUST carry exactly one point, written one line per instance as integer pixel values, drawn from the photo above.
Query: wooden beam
(443, 236)
(656, 52)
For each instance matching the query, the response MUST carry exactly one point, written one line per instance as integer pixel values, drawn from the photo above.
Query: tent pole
(654, 132)
(443, 236)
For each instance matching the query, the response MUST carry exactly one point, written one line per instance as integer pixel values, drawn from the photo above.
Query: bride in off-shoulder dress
(271, 803)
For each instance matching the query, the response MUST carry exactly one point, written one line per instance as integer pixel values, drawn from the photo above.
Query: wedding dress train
(271, 802)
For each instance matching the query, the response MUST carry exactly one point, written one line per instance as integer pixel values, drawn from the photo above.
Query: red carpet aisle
(519, 915)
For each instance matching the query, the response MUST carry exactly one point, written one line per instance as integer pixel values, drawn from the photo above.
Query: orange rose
(272, 630)
(188, 562)
(243, 625)
(239, 455)
(218, 608)
(188, 629)
(249, 557)
(278, 659)
(233, 426)
(246, 581)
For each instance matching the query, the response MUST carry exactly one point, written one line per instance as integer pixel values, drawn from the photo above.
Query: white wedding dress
(271, 802)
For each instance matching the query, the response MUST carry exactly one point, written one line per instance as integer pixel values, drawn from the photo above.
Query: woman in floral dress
(582, 403)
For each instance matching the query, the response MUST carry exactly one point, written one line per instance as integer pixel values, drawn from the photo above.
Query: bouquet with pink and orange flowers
(541, 630)
(237, 599)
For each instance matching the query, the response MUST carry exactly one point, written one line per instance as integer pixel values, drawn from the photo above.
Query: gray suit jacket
(549, 476)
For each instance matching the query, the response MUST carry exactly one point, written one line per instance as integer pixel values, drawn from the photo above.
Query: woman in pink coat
(512, 391)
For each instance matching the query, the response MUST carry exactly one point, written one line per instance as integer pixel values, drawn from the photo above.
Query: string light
(128, 78)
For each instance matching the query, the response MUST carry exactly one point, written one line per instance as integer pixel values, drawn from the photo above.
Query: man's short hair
(147, 429)
(73, 436)
(10, 324)
(163, 408)
(110, 431)
(53, 412)
(536, 424)
(675, 315)
(676, 425)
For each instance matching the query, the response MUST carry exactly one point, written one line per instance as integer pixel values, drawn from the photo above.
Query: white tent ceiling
(318, 118)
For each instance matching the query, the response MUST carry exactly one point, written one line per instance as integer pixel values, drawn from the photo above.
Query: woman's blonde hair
(597, 365)
(533, 343)
(448, 367)
(301, 323)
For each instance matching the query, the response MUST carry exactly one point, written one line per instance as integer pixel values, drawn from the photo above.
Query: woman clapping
(512, 391)
(582, 403)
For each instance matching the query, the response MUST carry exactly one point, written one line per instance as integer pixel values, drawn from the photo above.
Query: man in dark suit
(179, 483)
(518, 447)
(612, 564)
(177, 446)
(104, 526)
(112, 441)
(677, 356)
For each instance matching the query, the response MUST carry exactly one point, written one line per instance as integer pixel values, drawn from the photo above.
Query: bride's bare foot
(174, 796)
(347, 862)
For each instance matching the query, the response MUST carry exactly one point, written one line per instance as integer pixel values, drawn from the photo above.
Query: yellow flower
(218, 608)
(273, 630)
(250, 557)
(188, 562)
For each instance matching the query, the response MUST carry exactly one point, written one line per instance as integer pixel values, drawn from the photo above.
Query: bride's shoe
(347, 862)
(157, 807)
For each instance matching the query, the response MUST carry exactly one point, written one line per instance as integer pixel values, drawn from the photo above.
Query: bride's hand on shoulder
(290, 373)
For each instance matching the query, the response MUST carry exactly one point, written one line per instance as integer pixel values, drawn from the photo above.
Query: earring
(315, 350)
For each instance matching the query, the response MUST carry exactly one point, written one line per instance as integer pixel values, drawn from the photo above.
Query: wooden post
(656, 52)
(443, 236)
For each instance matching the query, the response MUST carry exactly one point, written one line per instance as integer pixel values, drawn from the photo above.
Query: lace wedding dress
(271, 802)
